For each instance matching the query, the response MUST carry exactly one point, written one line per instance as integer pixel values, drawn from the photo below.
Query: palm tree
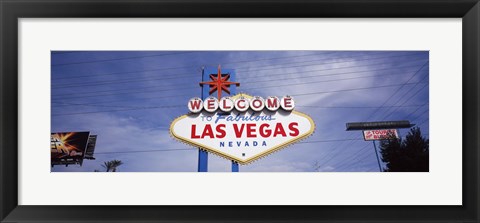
(107, 166)
(115, 164)
(111, 166)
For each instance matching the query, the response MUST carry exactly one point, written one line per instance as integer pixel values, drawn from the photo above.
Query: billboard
(242, 135)
(378, 125)
(380, 134)
(68, 147)
(92, 141)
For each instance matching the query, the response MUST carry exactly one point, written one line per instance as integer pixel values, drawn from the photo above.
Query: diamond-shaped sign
(242, 136)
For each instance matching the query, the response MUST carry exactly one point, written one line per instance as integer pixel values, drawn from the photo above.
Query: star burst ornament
(219, 83)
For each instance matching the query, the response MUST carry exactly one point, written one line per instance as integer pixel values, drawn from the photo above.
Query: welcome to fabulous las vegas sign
(242, 128)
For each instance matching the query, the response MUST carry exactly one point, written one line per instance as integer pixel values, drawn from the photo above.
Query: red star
(219, 83)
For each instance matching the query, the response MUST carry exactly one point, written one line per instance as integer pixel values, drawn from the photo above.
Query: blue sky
(129, 98)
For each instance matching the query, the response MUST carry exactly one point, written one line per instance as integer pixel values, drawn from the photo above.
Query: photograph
(240, 111)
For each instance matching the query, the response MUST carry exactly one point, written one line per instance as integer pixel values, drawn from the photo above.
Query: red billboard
(68, 147)
(380, 134)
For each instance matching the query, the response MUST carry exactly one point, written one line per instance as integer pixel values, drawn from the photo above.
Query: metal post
(202, 154)
(234, 166)
(233, 91)
(376, 153)
(202, 161)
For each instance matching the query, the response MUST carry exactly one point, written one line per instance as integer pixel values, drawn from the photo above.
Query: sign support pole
(233, 91)
(379, 125)
(202, 154)
(376, 153)
(234, 166)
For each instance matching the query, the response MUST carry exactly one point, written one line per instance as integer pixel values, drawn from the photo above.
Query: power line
(353, 89)
(320, 81)
(329, 140)
(372, 169)
(121, 81)
(396, 109)
(304, 94)
(351, 163)
(331, 152)
(353, 155)
(183, 67)
(333, 156)
(421, 123)
(128, 72)
(185, 96)
(129, 109)
(317, 75)
(296, 95)
(344, 166)
(306, 106)
(365, 157)
(162, 150)
(184, 88)
(322, 59)
(116, 59)
(172, 68)
(396, 91)
(122, 93)
(406, 83)
(406, 93)
(111, 106)
(277, 79)
(359, 107)
(355, 60)
(357, 163)
(146, 98)
(421, 114)
(415, 111)
(176, 76)
(143, 151)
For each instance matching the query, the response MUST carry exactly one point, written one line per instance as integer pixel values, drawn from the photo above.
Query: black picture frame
(12, 10)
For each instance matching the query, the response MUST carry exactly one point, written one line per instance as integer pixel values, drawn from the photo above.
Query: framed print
(287, 111)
